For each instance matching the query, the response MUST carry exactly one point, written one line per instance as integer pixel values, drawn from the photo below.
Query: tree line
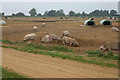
(60, 13)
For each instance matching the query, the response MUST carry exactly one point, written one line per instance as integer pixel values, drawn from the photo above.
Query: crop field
(90, 38)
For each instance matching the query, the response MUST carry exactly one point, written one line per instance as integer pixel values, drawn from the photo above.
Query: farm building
(6, 17)
(113, 17)
(89, 23)
(91, 19)
(109, 17)
(2, 22)
(105, 22)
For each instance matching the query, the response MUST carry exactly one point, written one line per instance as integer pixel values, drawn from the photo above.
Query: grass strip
(53, 54)
(10, 74)
(39, 46)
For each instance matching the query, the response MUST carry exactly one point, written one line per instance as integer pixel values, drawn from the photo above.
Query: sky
(9, 6)
(59, 0)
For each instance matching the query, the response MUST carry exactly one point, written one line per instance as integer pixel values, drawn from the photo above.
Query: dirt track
(40, 66)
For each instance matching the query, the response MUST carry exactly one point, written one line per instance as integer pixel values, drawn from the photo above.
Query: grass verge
(38, 49)
(55, 54)
(39, 46)
(10, 74)
(109, 55)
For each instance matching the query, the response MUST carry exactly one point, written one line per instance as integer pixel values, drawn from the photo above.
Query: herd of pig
(66, 39)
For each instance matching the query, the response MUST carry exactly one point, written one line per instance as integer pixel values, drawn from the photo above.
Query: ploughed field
(88, 37)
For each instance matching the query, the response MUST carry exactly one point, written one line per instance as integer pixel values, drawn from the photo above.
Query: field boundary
(55, 54)
(43, 20)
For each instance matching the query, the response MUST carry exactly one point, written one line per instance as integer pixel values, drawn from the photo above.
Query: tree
(39, 14)
(83, 14)
(52, 13)
(99, 13)
(3, 14)
(71, 13)
(60, 13)
(46, 12)
(96, 13)
(13, 14)
(0, 15)
(20, 14)
(33, 12)
(77, 15)
(113, 12)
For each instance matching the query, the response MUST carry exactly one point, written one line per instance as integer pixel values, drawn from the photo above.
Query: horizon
(14, 7)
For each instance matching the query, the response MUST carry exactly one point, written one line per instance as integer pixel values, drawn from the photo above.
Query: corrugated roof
(85, 23)
(102, 21)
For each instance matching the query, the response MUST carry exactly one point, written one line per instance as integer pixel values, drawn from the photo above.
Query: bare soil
(40, 66)
(89, 38)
